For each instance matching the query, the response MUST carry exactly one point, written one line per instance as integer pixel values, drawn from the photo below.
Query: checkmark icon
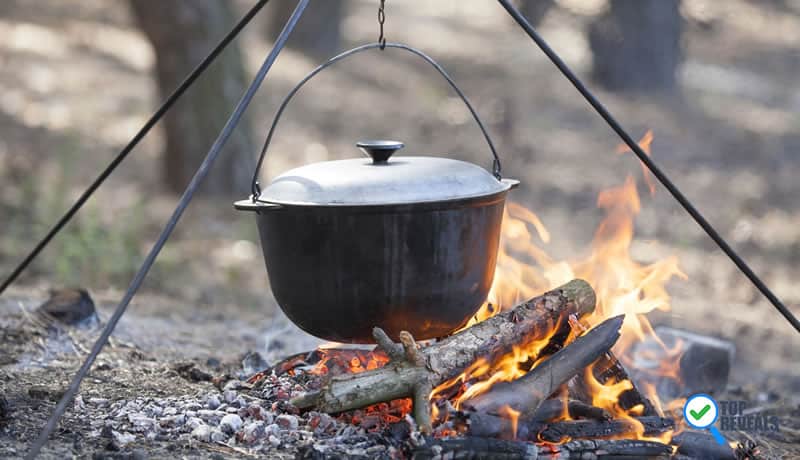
(698, 415)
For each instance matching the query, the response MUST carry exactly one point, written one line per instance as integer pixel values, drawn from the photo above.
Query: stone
(202, 433)
(274, 440)
(230, 423)
(229, 396)
(703, 363)
(212, 402)
(194, 422)
(218, 436)
(287, 422)
(253, 432)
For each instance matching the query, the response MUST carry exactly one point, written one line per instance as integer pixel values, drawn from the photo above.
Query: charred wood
(488, 448)
(525, 394)
(419, 370)
(487, 425)
(554, 408)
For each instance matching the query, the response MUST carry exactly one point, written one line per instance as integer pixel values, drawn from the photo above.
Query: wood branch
(487, 425)
(702, 445)
(447, 358)
(525, 394)
(488, 448)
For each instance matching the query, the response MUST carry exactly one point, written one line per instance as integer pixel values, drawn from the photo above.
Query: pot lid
(381, 180)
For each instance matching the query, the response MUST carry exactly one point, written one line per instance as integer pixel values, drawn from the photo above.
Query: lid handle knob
(379, 150)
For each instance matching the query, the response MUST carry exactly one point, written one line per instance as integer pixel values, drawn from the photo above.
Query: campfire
(543, 365)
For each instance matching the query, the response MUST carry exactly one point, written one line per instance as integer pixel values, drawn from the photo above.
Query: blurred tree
(535, 10)
(182, 32)
(636, 45)
(318, 31)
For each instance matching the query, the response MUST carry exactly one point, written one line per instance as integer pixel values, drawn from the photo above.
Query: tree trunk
(535, 10)
(636, 45)
(182, 32)
(318, 31)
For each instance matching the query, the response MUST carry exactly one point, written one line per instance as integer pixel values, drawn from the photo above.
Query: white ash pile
(247, 420)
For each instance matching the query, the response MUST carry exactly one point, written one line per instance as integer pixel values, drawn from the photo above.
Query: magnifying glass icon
(701, 412)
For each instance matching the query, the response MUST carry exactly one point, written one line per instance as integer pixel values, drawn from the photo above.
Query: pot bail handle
(496, 167)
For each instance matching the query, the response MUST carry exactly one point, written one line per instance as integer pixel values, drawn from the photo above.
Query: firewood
(478, 448)
(474, 448)
(487, 425)
(702, 445)
(525, 394)
(609, 368)
(606, 369)
(419, 370)
(554, 408)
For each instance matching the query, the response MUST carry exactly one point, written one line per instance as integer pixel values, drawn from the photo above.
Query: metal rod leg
(644, 158)
(201, 173)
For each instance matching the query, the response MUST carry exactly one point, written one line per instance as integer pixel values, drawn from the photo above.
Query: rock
(190, 372)
(230, 423)
(274, 440)
(123, 439)
(229, 396)
(194, 422)
(234, 384)
(5, 409)
(703, 363)
(211, 416)
(100, 402)
(44, 393)
(73, 307)
(218, 436)
(202, 433)
(253, 432)
(213, 402)
(287, 422)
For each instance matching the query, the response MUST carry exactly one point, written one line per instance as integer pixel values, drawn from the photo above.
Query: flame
(513, 415)
(622, 284)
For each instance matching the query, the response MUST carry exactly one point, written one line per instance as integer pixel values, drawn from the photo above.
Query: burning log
(608, 369)
(488, 448)
(414, 372)
(487, 425)
(525, 394)
(554, 408)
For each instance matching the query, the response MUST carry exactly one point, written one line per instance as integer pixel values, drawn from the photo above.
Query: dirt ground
(76, 84)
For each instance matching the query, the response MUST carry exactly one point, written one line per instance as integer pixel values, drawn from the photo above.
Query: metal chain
(381, 20)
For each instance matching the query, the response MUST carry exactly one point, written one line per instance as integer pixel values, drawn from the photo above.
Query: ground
(76, 85)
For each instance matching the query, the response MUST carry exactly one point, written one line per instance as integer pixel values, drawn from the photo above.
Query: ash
(241, 418)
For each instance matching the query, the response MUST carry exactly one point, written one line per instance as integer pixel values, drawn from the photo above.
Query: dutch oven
(400, 242)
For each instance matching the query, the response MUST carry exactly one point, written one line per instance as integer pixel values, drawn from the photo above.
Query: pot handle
(256, 188)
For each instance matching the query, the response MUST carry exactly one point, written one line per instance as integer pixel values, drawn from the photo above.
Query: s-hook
(381, 20)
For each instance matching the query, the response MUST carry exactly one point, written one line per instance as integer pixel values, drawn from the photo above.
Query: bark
(444, 360)
(318, 33)
(182, 32)
(636, 45)
(525, 394)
